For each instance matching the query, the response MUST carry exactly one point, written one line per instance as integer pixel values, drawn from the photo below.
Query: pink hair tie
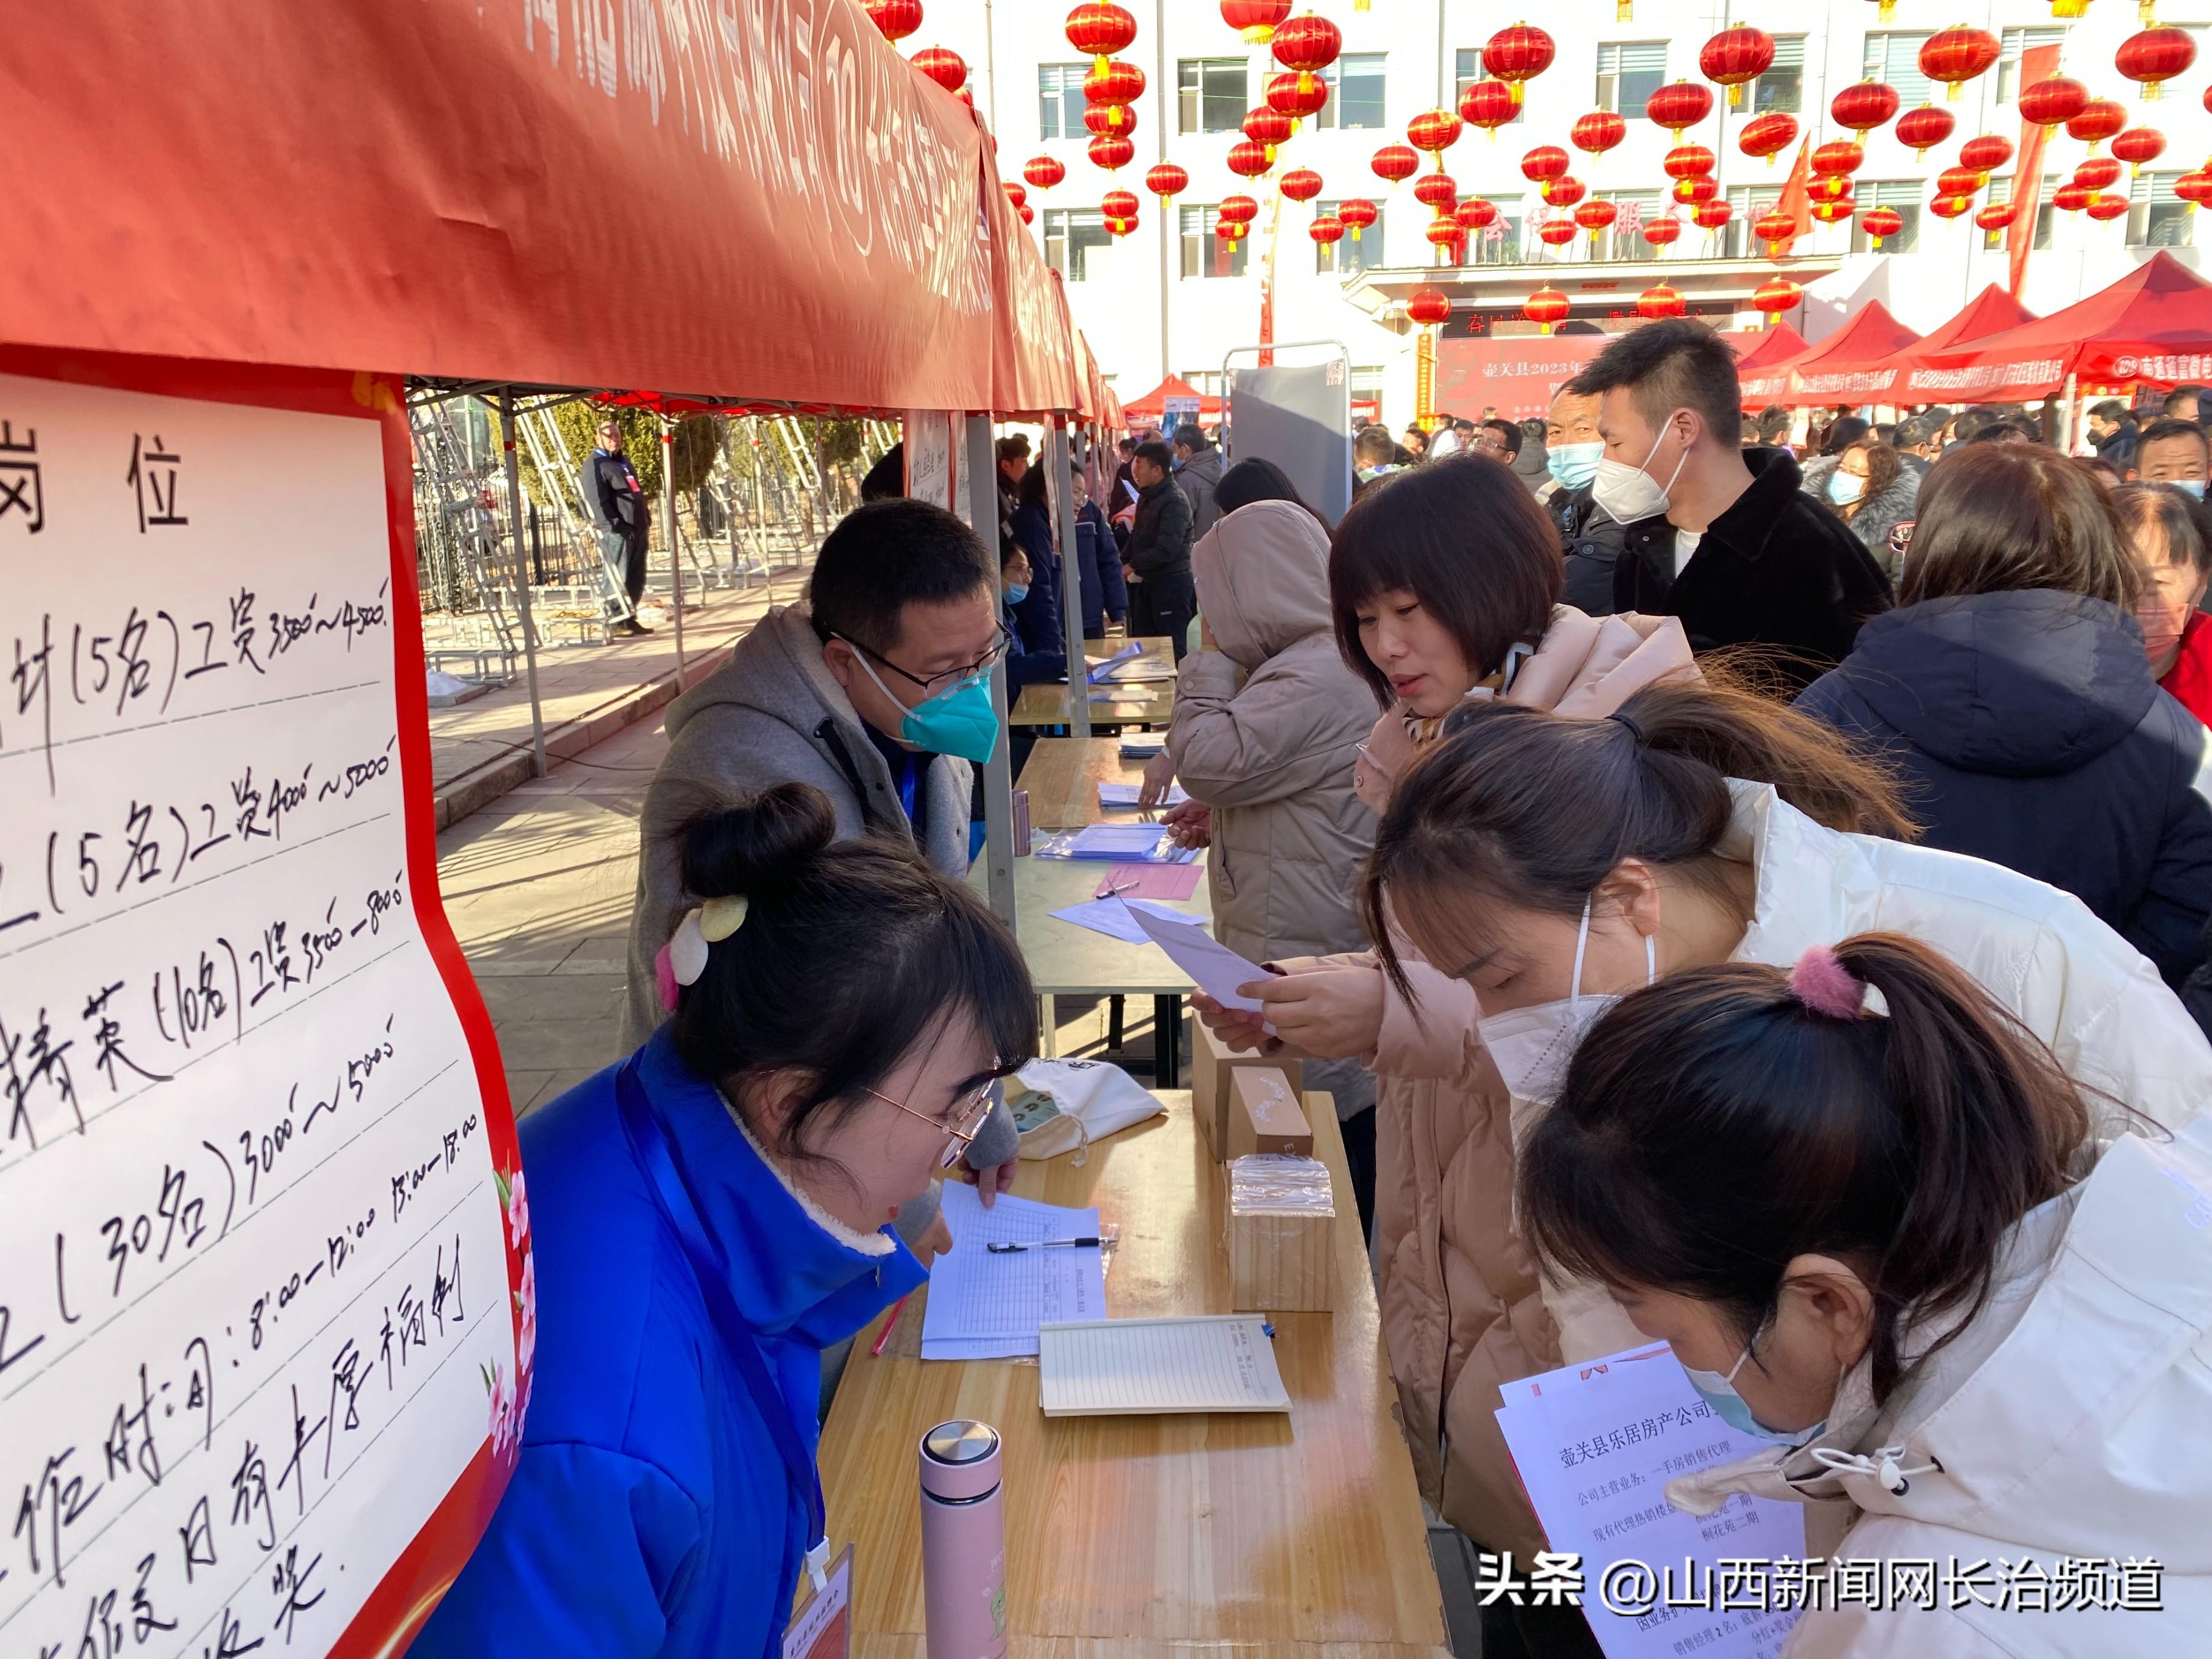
(1823, 984)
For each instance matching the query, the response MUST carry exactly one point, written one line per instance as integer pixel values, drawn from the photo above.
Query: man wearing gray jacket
(877, 692)
(1197, 470)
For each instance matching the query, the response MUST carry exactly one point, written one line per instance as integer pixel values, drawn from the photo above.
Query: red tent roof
(1851, 364)
(1153, 404)
(1756, 367)
(1991, 311)
(2153, 326)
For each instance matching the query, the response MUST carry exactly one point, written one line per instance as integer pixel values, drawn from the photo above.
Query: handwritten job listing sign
(262, 1245)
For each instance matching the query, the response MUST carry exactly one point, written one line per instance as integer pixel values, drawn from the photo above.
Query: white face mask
(1531, 1046)
(1629, 493)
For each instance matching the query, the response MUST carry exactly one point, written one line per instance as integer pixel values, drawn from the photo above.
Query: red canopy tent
(1851, 364)
(1152, 408)
(1763, 368)
(1991, 311)
(2153, 326)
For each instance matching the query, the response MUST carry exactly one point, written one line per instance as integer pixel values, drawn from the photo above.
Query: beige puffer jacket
(1265, 729)
(1462, 1312)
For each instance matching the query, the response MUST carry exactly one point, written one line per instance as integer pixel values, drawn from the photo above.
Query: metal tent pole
(521, 575)
(998, 771)
(675, 555)
(1057, 455)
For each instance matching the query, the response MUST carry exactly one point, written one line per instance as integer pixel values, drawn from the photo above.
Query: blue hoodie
(650, 1513)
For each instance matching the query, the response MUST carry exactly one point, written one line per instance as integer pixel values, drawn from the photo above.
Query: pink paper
(1151, 881)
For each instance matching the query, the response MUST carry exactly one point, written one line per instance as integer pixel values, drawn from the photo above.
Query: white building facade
(1170, 298)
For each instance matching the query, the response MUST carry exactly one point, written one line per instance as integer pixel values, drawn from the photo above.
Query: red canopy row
(590, 197)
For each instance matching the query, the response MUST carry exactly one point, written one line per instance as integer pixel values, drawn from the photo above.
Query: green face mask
(958, 721)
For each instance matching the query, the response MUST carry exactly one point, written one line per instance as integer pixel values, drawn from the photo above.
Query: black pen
(1042, 1244)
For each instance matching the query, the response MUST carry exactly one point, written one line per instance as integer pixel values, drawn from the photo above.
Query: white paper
(1097, 668)
(1212, 966)
(1122, 1367)
(254, 1284)
(1595, 1444)
(1098, 841)
(982, 1306)
(1137, 671)
(1125, 794)
(1142, 748)
(1112, 917)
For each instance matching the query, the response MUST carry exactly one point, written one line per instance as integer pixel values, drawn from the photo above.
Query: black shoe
(631, 625)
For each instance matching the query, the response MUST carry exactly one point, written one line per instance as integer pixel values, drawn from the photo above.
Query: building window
(1060, 99)
(1347, 256)
(1205, 254)
(1467, 69)
(1367, 383)
(1628, 73)
(1633, 209)
(1069, 235)
(1499, 243)
(1904, 196)
(1896, 58)
(1783, 86)
(2014, 42)
(1210, 94)
(2156, 216)
(1750, 202)
(1355, 92)
(1206, 382)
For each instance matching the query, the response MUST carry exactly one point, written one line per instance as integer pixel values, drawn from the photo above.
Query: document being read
(1595, 1445)
(987, 1305)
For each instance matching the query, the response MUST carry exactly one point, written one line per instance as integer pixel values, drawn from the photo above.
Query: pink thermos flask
(963, 1542)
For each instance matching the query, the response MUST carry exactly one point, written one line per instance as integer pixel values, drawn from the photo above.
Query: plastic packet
(1277, 1183)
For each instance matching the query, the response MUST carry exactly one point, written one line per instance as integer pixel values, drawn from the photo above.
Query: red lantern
(1921, 129)
(2100, 118)
(1660, 301)
(1735, 55)
(1545, 307)
(1165, 180)
(1678, 106)
(1517, 55)
(1836, 210)
(943, 65)
(1101, 28)
(1242, 210)
(1111, 152)
(2071, 197)
(1950, 206)
(2053, 102)
(1997, 215)
(1687, 162)
(1663, 233)
(1428, 308)
(1955, 55)
(1776, 295)
(1358, 214)
(1249, 160)
(1695, 192)
(967, 96)
(1958, 181)
(2099, 172)
(1254, 20)
(2193, 188)
(2138, 145)
(1774, 227)
(897, 18)
(1120, 227)
(1475, 213)
(1326, 228)
(1028, 213)
(1308, 43)
(1437, 190)
(1488, 105)
(1597, 132)
(1985, 155)
(1596, 215)
(1543, 164)
(1231, 231)
(1435, 131)
(1043, 172)
(1881, 221)
(1565, 192)
(1114, 83)
(1268, 127)
(1109, 121)
(1444, 233)
(1556, 233)
(1712, 215)
(2154, 56)
(1286, 97)
(1767, 135)
(1396, 163)
(1865, 107)
(2107, 207)
(1015, 193)
(1119, 205)
(1842, 157)
(1302, 185)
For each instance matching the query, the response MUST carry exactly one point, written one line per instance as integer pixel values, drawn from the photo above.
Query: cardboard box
(1282, 1236)
(1264, 1115)
(1212, 1069)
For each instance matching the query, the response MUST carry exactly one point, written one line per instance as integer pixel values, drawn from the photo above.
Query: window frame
(1609, 92)
(1327, 120)
(1192, 94)
(1068, 97)
(1202, 248)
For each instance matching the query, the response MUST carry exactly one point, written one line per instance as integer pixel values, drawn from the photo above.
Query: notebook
(1140, 1367)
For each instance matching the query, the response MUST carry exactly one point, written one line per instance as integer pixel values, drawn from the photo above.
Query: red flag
(1796, 198)
(2036, 64)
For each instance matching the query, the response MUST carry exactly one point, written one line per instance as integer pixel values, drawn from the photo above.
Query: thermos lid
(960, 1459)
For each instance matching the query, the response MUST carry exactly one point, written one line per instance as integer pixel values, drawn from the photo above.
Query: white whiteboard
(256, 1308)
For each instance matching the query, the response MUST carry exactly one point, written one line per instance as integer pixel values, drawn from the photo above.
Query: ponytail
(1727, 1119)
(1534, 809)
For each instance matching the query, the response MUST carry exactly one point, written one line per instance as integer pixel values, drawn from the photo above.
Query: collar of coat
(1751, 519)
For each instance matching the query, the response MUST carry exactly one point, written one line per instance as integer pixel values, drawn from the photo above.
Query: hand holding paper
(1213, 967)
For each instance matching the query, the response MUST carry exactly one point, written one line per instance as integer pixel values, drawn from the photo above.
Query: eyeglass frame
(956, 676)
(961, 1137)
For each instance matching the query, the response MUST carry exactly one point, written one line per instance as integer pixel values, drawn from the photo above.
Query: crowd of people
(1742, 895)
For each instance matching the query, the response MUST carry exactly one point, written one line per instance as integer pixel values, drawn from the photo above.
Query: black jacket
(610, 492)
(2030, 733)
(1591, 539)
(1159, 542)
(1777, 569)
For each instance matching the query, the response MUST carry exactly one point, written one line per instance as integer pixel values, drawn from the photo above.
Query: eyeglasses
(930, 687)
(964, 1122)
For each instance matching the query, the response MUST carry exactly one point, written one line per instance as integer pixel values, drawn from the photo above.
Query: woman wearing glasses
(712, 1212)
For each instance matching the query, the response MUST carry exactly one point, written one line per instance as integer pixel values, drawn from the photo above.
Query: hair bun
(745, 849)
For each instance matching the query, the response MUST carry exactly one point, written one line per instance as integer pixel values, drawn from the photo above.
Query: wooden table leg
(1167, 1042)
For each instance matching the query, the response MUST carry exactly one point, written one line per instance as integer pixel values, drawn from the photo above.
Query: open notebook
(1130, 1367)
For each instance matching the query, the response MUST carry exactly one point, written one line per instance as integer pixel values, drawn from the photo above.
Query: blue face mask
(1733, 1409)
(1575, 465)
(1017, 591)
(959, 721)
(2194, 486)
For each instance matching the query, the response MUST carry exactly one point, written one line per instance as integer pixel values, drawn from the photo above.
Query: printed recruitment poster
(265, 1323)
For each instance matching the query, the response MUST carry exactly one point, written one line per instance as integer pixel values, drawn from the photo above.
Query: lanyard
(672, 1198)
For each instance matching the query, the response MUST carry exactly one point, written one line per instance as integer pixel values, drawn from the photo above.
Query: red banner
(2036, 64)
(1517, 375)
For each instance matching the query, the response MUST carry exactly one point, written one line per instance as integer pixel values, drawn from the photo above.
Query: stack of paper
(1112, 917)
(1128, 1367)
(987, 1306)
(1097, 668)
(1125, 794)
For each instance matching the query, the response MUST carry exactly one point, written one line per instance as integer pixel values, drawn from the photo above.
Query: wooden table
(1141, 702)
(1062, 775)
(1297, 1537)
